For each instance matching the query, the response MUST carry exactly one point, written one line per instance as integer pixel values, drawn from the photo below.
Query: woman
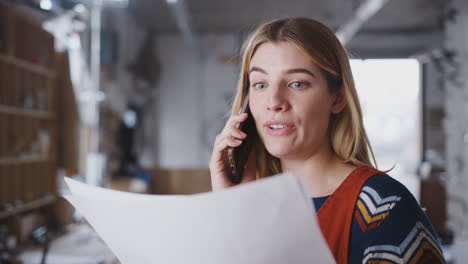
(302, 98)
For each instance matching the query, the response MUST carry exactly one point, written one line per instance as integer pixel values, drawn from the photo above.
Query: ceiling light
(80, 8)
(115, 3)
(46, 4)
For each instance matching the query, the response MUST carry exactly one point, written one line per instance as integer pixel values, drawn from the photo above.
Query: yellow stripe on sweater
(369, 219)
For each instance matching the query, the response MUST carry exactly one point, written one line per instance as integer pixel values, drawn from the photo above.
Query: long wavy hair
(346, 131)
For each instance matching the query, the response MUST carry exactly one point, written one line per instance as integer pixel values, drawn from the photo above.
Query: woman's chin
(279, 151)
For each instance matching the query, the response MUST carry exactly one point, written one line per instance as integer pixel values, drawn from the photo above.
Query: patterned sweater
(389, 226)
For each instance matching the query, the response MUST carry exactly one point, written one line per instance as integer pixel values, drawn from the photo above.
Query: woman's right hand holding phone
(230, 136)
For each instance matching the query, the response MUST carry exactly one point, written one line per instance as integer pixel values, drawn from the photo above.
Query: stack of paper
(267, 221)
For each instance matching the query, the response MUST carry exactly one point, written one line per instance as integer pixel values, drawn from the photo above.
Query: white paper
(267, 221)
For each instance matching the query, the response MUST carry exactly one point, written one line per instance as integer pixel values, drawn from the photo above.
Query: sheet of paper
(266, 221)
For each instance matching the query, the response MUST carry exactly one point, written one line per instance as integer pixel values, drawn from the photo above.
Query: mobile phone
(236, 157)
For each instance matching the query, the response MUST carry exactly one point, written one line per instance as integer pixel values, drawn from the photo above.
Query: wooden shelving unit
(26, 65)
(27, 114)
(18, 209)
(24, 160)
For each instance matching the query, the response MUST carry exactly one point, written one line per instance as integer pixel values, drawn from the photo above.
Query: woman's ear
(339, 101)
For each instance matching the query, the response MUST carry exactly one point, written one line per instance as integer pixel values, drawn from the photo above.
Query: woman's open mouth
(279, 128)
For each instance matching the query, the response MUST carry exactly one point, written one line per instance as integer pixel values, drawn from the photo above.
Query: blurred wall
(434, 113)
(191, 96)
(456, 127)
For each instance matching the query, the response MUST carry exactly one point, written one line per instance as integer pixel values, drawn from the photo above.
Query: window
(389, 90)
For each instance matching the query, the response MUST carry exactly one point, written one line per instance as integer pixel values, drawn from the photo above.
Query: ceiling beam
(362, 14)
(394, 44)
(182, 17)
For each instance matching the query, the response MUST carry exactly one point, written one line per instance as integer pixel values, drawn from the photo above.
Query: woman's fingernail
(238, 141)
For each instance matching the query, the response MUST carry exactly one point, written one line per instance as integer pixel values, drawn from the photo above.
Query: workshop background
(130, 94)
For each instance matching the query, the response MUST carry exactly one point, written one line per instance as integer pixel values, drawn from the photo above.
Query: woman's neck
(323, 172)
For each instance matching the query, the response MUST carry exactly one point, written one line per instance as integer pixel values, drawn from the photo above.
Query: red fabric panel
(336, 214)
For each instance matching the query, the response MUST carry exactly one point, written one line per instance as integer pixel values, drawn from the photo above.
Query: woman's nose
(277, 100)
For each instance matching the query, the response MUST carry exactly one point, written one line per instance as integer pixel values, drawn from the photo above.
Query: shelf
(28, 121)
(27, 65)
(18, 161)
(4, 213)
(26, 112)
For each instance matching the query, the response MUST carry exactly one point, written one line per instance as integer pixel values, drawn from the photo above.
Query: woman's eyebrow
(257, 69)
(300, 70)
(290, 71)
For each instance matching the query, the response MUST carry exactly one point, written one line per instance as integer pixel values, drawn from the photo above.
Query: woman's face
(289, 100)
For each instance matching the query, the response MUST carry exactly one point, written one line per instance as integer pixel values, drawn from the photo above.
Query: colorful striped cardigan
(372, 218)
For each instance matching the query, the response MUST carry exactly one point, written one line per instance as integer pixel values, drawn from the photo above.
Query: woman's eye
(299, 85)
(259, 85)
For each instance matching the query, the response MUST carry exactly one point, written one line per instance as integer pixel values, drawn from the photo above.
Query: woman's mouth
(278, 128)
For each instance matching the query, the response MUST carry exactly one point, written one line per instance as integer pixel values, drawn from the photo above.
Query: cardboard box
(180, 181)
(62, 212)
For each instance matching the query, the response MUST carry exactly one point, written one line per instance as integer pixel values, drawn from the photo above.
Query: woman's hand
(231, 136)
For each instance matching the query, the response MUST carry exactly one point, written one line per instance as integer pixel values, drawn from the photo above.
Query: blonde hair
(346, 131)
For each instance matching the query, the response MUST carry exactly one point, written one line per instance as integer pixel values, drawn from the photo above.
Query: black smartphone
(236, 158)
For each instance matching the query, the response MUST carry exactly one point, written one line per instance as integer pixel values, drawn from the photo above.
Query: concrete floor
(80, 245)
